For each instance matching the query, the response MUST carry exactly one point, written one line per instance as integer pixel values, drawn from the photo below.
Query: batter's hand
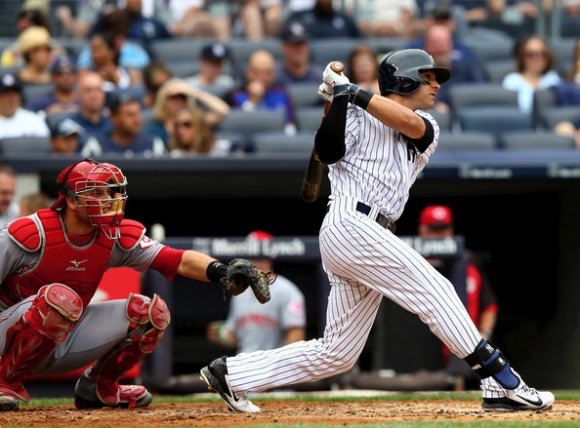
(326, 91)
(332, 78)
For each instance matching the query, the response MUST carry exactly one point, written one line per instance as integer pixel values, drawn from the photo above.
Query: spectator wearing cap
(127, 137)
(63, 98)
(469, 280)
(212, 77)
(65, 136)
(16, 121)
(35, 47)
(174, 95)
(251, 326)
(295, 66)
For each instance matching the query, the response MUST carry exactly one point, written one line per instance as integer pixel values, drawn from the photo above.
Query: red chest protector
(81, 268)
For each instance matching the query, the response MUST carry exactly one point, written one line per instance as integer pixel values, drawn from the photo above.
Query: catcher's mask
(100, 188)
(400, 71)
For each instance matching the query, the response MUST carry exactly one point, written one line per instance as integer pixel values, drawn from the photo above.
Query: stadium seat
(309, 118)
(304, 94)
(327, 50)
(279, 142)
(563, 49)
(241, 49)
(514, 140)
(481, 95)
(494, 119)
(18, 146)
(384, 45)
(249, 123)
(443, 119)
(177, 49)
(33, 90)
(551, 116)
(467, 140)
(183, 69)
(486, 49)
(496, 70)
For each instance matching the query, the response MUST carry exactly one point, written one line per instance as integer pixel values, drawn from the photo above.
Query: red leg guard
(149, 318)
(47, 323)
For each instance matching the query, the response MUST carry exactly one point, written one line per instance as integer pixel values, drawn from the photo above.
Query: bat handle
(337, 66)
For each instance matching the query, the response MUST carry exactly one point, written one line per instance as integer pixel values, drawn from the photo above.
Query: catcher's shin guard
(47, 323)
(487, 360)
(99, 385)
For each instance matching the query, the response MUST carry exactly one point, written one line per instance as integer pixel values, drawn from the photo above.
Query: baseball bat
(315, 168)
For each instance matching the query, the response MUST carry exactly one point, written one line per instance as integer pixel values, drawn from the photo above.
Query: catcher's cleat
(521, 398)
(90, 395)
(11, 394)
(215, 375)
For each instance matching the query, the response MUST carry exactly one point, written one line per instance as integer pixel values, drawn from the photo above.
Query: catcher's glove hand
(241, 274)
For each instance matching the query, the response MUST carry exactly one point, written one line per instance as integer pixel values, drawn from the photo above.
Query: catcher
(51, 263)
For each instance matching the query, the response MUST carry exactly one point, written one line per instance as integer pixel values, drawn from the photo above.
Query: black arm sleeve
(425, 141)
(329, 139)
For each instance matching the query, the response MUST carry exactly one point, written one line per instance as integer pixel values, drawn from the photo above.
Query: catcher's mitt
(241, 274)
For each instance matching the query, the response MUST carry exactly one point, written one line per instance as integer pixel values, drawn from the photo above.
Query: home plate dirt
(215, 414)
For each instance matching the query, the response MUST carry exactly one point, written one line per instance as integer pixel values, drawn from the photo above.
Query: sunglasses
(536, 54)
(187, 124)
(177, 97)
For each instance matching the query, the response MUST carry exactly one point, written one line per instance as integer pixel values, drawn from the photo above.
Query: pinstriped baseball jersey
(364, 262)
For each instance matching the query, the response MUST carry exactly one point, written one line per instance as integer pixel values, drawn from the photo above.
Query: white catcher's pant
(364, 262)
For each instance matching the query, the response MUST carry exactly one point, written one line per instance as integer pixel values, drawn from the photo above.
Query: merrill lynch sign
(231, 247)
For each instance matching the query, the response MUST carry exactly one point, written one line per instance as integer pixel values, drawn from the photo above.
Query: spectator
(295, 66)
(32, 202)
(442, 15)
(192, 136)
(65, 135)
(105, 54)
(127, 136)
(176, 94)
(323, 21)
(252, 19)
(115, 26)
(386, 18)
(9, 209)
(212, 77)
(16, 121)
(64, 97)
(79, 26)
(92, 115)
(11, 56)
(573, 74)
(439, 43)
(200, 19)
(251, 326)
(534, 70)
(140, 28)
(34, 44)
(470, 282)
(362, 68)
(154, 76)
(259, 92)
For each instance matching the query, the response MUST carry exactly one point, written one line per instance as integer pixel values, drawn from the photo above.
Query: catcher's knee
(149, 318)
(54, 312)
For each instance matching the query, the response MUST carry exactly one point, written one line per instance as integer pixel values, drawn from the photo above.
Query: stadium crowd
(176, 78)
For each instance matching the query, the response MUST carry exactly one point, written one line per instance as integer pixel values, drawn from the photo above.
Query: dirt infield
(215, 414)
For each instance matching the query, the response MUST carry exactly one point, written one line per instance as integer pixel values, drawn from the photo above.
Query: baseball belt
(380, 218)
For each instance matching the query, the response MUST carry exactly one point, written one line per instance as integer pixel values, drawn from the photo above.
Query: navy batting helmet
(400, 71)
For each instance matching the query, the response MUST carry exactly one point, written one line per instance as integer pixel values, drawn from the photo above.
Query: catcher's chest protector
(80, 268)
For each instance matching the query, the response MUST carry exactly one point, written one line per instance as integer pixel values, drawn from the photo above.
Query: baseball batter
(387, 142)
(51, 264)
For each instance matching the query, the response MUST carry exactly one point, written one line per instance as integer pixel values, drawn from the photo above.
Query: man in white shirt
(9, 209)
(16, 121)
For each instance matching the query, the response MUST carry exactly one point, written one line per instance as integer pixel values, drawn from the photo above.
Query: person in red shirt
(471, 284)
(51, 264)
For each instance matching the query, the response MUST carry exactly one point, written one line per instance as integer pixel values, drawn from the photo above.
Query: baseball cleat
(215, 375)
(11, 394)
(521, 398)
(8, 403)
(90, 395)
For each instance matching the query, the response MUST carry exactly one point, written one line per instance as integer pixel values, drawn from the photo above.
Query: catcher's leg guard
(99, 385)
(33, 337)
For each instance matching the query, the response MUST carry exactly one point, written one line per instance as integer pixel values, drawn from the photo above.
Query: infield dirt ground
(288, 412)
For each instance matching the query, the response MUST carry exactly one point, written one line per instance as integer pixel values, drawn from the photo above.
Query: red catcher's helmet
(100, 187)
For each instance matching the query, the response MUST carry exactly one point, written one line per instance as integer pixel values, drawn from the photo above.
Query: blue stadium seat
(309, 118)
(304, 94)
(177, 49)
(464, 95)
(249, 123)
(279, 142)
(21, 146)
(467, 140)
(494, 119)
(517, 140)
(241, 49)
(333, 49)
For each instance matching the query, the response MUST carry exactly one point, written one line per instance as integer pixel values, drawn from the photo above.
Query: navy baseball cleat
(521, 398)
(215, 375)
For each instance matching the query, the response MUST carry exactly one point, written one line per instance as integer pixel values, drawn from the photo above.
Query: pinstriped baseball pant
(364, 262)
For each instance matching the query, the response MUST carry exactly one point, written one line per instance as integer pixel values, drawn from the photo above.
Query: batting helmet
(400, 71)
(101, 187)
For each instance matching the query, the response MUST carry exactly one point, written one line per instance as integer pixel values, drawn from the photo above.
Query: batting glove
(326, 91)
(332, 78)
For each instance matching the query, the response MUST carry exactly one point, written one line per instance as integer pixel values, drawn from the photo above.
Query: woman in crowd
(534, 71)
(35, 47)
(362, 67)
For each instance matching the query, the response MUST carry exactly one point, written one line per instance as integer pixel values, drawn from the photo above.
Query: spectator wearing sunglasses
(534, 71)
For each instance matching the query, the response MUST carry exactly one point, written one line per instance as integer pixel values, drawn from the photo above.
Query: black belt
(380, 218)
